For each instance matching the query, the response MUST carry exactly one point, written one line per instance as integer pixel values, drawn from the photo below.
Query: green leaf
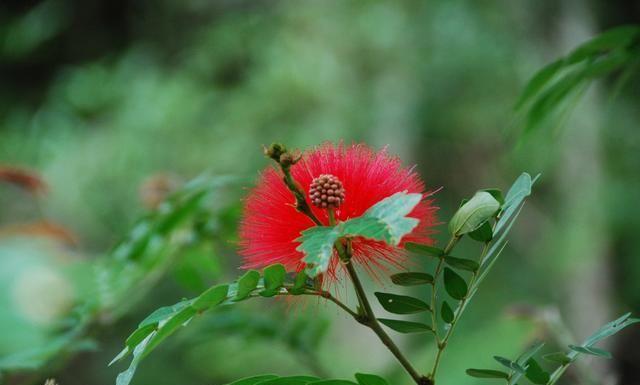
(386, 220)
(290, 380)
(211, 297)
(523, 360)
(163, 313)
(139, 335)
(481, 207)
(496, 193)
(610, 329)
(590, 350)
(454, 284)
(520, 189)
(538, 81)
(299, 283)
(405, 326)
(254, 380)
(331, 382)
(317, 245)
(274, 276)
(484, 233)
(509, 364)
(411, 279)
(535, 373)
(446, 313)
(401, 304)
(460, 263)
(370, 379)
(246, 284)
(420, 248)
(168, 327)
(619, 37)
(125, 377)
(558, 357)
(486, 373)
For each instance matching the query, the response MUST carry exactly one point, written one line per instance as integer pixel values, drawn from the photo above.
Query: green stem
(442, 345)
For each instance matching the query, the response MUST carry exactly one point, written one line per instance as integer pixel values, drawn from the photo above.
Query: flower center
(326, 192)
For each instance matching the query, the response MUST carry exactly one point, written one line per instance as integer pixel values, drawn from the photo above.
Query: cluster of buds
(326, 192)
(282, 155)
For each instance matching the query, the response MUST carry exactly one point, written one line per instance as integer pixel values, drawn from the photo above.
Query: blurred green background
(113, 104)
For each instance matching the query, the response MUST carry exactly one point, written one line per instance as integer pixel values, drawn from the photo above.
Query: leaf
(370, 379)
(211, 297)
(558, 357)
(317, 246)
(619, 37)
(411, 279)
(610, 329)
(538, 81)
(446, 313)
(125, 377)
(299, 283)
(246, 284)
(401, 304)
(331, 382)
(384, 221)
(509, 364)
(254, 379)
(274, 276)
(520, 189)
(454, 284)
(496, 193)
(163, 313)
(460, 263)
(523, 360)
(481, 207)
(535, 373)
(168, 327)
(420, 248)
(486, 373)
(484, 233)
(405, 326)
(590, 350)
(139, 335)
(290, 380)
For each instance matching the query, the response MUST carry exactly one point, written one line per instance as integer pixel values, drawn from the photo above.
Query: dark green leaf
(290, 380)
(246, 284)
(483, 233)
(509, 364)
(496, 193)
(274, 276)
(420, 248)
(405, 326)
(411, 279)
(370, 379)
(535, 373)
(401, 304)
(299, 283)
(331, 382)
(523, 360)
(454, 284)
(558, 357)
(619, 37)
(460, 263)
(590, 350)
(211, 297)
(254, 379)
(480, 208)
(487, 373)
(446, 313)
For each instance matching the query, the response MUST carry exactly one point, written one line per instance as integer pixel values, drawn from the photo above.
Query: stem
(443, 344)
(369, 319)
(301, 202)
(555, 376)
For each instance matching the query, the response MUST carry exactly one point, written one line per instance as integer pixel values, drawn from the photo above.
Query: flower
(271, 223)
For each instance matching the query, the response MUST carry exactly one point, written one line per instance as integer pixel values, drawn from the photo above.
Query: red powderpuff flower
(271, 223)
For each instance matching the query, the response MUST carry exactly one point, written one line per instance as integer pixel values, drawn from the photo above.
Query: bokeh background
(106, 106)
